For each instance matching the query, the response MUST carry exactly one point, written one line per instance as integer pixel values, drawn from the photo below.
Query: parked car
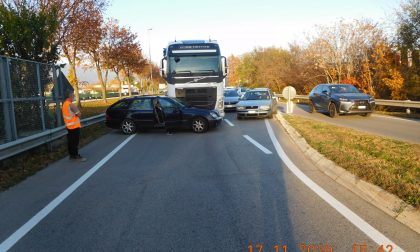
(231, 98)
(259, 102)
(336, 99)
(131, 114)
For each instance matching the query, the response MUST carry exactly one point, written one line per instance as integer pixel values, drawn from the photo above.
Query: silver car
(231, 98)
(259, 102)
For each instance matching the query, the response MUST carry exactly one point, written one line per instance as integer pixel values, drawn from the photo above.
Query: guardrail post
(57, 86)
(41, 95)
(5, 101)
(7, 97)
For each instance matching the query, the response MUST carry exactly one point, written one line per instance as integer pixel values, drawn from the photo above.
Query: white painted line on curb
(361, 224)
(259, 146)
(228, 122)
(23, 230)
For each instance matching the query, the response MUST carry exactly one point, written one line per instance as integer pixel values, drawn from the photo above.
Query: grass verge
(93, 108)
(17, 168)
(390, 164)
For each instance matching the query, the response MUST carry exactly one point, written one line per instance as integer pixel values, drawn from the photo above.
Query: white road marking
(259, 146)
(361, 224)
(23, 230)
(396, 118)
(228, 122)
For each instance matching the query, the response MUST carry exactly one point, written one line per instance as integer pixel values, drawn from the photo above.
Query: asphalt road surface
(388, 126)
(225, 190)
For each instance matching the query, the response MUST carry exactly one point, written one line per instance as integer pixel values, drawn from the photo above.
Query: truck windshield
(185, 66)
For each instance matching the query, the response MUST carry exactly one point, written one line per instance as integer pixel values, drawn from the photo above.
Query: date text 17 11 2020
(317, 248)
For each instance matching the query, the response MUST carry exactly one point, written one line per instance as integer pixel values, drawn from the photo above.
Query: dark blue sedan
(138, 113)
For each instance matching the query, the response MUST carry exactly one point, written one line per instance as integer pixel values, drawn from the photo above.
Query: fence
(30, 95)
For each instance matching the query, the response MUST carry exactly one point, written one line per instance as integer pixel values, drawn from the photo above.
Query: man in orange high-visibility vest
(71, 116)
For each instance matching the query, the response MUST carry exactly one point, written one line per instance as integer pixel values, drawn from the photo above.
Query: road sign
(289, 93)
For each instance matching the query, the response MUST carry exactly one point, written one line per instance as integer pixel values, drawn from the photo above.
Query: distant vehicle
(231, 98)
(336, 99)
(258, 102)
(125, 89)
(132, 114)
(195, 73)
(242, 91)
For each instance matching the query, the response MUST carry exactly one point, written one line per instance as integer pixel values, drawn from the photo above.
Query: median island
(390, 164)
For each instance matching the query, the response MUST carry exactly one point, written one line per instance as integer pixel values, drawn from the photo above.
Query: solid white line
(259, 146)
(23, 230)
(228, 122)
(361, 224)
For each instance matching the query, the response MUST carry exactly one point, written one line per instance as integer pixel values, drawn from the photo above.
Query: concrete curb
(387, 202)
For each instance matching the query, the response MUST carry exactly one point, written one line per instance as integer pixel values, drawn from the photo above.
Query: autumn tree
(408, 44)
(233, 78)
(28, 32)
(76, 29)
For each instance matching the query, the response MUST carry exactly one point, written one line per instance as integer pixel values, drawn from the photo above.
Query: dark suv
(336, 99)
(134, 113)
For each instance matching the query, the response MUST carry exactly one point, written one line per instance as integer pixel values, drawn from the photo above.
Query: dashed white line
(361, 224)
(258, 145)
(23, 230)
(229, 122)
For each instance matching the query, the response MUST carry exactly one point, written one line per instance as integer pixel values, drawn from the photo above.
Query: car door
(173, 114)
(315, 96)
(142, 112)
(118, 112)
(324, 97)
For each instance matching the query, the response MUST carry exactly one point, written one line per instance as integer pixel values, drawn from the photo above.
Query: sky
(239, 26)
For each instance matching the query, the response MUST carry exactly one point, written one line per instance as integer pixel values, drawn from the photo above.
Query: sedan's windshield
(230, 93)
(256, 95)
(343, 89)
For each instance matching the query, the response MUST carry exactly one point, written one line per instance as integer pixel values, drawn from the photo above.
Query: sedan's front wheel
(332, 110)
(128, 127)
(200, 125)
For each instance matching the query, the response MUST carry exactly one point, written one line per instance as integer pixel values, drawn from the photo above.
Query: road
(225, 190)
(388, 126)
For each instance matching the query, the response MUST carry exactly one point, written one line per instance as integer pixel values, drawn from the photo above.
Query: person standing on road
(71, 116)
(160, 116)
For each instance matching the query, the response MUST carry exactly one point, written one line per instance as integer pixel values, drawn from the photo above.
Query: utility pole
(150, 56)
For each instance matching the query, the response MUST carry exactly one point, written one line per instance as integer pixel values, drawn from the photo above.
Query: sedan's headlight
(371, 99)
(240, 107)
(214, 115)
(343, 99)
(265, 107)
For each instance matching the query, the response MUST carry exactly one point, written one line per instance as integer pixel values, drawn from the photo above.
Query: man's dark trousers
(73, 136)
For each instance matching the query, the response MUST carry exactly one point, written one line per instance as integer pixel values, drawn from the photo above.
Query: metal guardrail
(392, 103)
(13, 148)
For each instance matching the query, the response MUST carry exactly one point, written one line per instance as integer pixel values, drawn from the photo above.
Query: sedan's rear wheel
(332, 110)
(128, 127)
(200, 125)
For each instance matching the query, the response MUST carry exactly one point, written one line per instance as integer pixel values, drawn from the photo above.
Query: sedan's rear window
(121, 105)
(142, 104)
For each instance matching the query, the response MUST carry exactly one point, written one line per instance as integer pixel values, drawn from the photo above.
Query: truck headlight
(265, 107)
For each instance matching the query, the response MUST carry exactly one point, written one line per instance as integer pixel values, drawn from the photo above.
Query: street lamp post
(150, 55)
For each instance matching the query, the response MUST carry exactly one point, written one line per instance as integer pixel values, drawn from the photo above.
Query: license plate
(252, 111)
(361, 107)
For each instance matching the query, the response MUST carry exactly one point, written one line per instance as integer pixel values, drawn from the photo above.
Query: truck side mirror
(224, 66)
(163, 67)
